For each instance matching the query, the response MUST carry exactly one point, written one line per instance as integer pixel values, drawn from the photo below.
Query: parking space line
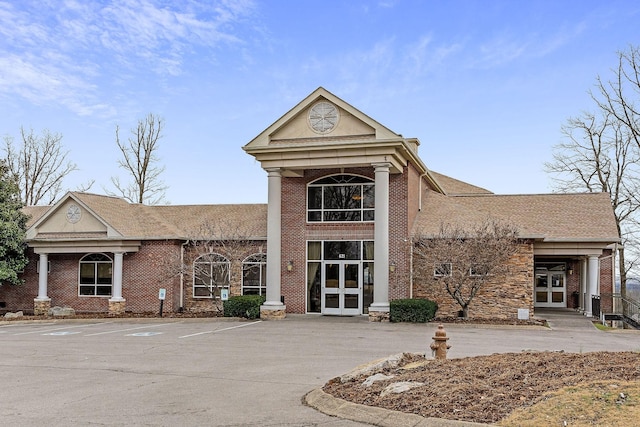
(64, 327)
(220, 330)
(131, 329)
(18, 325)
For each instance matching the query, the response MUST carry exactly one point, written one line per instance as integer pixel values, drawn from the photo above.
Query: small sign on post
(224, 294)
(162, 293)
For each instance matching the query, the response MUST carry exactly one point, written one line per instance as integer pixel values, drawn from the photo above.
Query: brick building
(346, 196)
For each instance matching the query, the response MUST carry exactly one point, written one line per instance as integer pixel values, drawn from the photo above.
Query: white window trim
(322, 209)
(262, 290)
(95, 285)
(441, 264)
(210, 287)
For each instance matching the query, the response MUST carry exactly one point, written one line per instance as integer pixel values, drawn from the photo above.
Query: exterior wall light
(392, 267)
(290, 266)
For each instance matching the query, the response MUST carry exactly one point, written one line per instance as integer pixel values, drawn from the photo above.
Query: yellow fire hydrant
(439, 345)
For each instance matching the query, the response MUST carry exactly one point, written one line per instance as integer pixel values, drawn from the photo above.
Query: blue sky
(485, 85)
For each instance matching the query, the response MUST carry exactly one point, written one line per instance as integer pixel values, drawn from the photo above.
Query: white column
(116, 295)
(274, 239)
(592, 282)
(381, 242)
(42, 278)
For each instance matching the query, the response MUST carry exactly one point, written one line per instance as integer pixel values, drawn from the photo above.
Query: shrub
(247, 306)
(412, 310)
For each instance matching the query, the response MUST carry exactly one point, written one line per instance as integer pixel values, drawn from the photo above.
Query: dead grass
(513, 389)
(599, 403)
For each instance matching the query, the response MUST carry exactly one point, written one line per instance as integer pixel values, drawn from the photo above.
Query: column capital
(381, 166)
(274, 171)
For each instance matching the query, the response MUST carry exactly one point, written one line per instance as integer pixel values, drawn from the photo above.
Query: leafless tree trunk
(40, 165)
(463, 259)
(140, 161)
(602, 152)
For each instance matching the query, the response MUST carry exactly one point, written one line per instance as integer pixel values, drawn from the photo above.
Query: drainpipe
(182, 275)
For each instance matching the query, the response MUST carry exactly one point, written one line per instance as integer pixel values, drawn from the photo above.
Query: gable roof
(135, 221)
(291, 146)
(548, 217)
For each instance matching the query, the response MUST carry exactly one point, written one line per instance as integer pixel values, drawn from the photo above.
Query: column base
(273, 312)
(41, 306)
(379, 316)
(117, 306)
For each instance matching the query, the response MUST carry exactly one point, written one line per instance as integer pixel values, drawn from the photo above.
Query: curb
(335, 407)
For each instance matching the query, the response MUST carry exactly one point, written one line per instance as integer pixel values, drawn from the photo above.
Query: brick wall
(143, 274)
(235, 252)
(296, 232)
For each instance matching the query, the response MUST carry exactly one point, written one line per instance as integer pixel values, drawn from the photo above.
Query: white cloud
(70, 53)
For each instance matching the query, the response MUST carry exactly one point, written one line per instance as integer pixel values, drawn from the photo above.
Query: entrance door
(550, 290)
(342, 288)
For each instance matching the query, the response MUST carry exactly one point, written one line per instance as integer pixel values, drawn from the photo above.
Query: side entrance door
(342, 288)
(550, 289)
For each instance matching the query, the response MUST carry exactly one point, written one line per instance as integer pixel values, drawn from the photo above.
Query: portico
(324, 136)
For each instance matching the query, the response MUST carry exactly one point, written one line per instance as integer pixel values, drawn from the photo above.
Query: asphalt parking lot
(227, 372)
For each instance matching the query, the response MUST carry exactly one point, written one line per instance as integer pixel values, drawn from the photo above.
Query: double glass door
(550, 287)
(342, 290)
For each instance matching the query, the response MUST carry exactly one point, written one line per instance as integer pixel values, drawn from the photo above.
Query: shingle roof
(136, 221)
(562, 217)
(454, 186)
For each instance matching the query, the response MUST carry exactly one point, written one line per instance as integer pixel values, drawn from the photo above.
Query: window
(442, 270)
(210, 275)
(254, 275)
(96, 273)
(341, 198)
(478, 270)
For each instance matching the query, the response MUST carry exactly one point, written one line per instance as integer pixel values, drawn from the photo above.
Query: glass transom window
(341, 198)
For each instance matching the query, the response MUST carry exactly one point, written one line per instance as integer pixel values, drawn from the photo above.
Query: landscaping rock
(374, 378)
(13, 315)
(61, 311)
(400, 387)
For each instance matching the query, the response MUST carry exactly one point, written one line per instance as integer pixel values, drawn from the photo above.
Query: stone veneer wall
(495, 300)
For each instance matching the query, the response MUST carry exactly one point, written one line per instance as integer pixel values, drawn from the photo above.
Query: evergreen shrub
(412, 310)
(247, 306)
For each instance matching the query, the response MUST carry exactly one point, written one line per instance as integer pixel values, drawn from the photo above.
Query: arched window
(210, 275)
(341, 198)
(254, 275)
(96, 275)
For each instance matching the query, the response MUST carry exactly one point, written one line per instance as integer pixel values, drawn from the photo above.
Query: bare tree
(601, 154)
(40, 165)
(462, 260)
(213, 256)
(620, 95)
(140, 161)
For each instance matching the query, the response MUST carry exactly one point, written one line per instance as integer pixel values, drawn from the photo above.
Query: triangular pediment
(322, 131)
(302, 124)
(71, 218)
